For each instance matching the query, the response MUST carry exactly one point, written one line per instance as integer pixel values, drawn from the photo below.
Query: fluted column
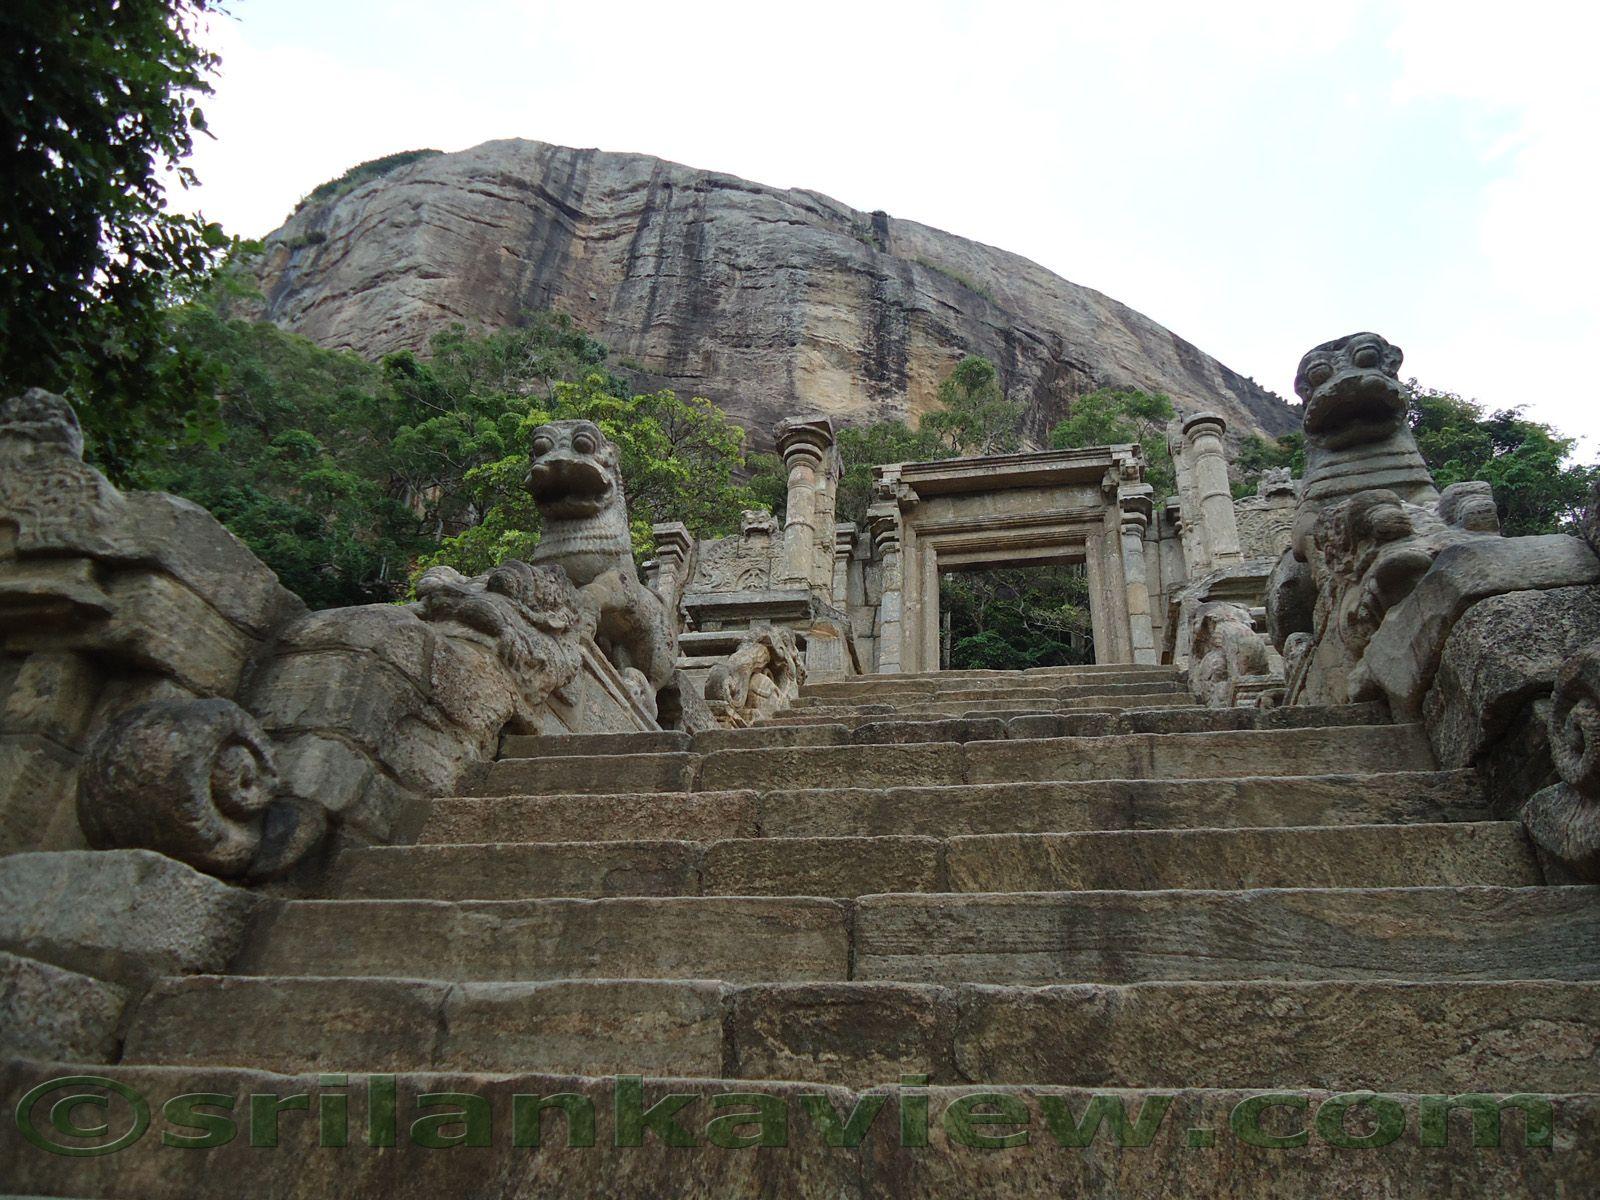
(674, 543)
(804, 446)
(1135, 520)
(1203, 434)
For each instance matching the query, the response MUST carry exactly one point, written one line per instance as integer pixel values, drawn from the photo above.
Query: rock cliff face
(769, 302)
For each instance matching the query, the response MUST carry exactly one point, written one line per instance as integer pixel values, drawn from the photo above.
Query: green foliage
(1016, 617)
(348, 477)
(99, 101)
(860, 450)
(1110, 416)
(1535, 487)
(947, 272)
(374, 168)
(973, 416)
(1259, 454)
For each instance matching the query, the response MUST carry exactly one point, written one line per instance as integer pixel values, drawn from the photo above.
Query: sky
(1257, 175)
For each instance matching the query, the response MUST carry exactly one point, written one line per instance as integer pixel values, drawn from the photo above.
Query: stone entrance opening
(1014, 618)
(1089, 507)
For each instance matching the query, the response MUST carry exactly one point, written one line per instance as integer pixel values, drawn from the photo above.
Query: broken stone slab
(120, 915)
(50, 1013)
(1403, 656)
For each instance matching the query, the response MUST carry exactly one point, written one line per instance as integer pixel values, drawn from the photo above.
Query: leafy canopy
(1110, 416)
(99, 100)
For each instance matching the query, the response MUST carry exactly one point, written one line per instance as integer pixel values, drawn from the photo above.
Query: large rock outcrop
(769, 302)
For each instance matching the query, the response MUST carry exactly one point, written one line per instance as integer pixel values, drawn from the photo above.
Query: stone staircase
(1069, 877)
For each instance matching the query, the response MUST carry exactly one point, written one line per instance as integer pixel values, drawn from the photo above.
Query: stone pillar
(1099, 623)
(804, 446)
(884, 522)
(1135, 521)
(827, 533)
(844, 548)
(929, 660)
(674, 544)
(1202, 434)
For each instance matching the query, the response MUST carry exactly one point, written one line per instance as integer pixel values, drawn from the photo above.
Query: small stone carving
(190, 778)
(1232, 663)
(1276, 482)
(758, 679)
(1564, 820)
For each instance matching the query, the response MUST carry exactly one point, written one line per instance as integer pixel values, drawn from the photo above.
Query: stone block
(856, 1034)
(56, 1015)
(121, 915)
(1404, 655)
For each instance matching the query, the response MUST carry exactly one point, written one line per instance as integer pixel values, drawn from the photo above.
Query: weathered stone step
(901, 729)
(1421, 933)
(700, 937)
(875, 1166)
(1395, 798)
(933, 685)
(1034, 938)
(1489, 853)
(1441, 1037)
(1316, 751)
(1013, 695)
(566, 744)
(857, 713)
(1129, 756)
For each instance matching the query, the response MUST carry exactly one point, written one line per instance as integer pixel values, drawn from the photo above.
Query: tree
(99, 100)
(1536, 488)
(973, 416)
(1110, 416)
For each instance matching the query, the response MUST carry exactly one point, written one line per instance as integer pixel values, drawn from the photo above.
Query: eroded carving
(757, 680)
(1232, 663)
(1564, 820)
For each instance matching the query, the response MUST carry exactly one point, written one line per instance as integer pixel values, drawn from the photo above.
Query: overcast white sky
(1257, 175)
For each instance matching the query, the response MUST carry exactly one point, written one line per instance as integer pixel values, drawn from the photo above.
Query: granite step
(1486, 853)
(1418, 933)
(1337, 799)
(913, 697)
(1227, 754)
(1434, 1037)
(867, 685)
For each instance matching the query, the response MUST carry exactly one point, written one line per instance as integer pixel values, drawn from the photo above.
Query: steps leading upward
(1072, 878)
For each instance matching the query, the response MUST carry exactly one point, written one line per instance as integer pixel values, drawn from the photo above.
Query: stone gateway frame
(1089, 506)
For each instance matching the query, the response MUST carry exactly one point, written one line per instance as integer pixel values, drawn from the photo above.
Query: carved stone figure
(1564, 820)
(577, 485)
(1232, 664)
(1356, 434)
(758, 679)
(1370, 521)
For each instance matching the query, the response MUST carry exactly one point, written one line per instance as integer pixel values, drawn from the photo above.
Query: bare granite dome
(769, 302)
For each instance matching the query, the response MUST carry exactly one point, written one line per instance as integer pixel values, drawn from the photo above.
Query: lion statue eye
(1366, 356)
(1319, 373)
(543, 444)
(583, 443)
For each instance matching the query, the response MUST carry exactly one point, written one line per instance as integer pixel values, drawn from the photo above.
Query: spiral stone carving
(1564, 820)
(192, 779)
(1575, 720)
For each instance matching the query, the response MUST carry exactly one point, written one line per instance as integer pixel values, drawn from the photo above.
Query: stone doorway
(1088, 506)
